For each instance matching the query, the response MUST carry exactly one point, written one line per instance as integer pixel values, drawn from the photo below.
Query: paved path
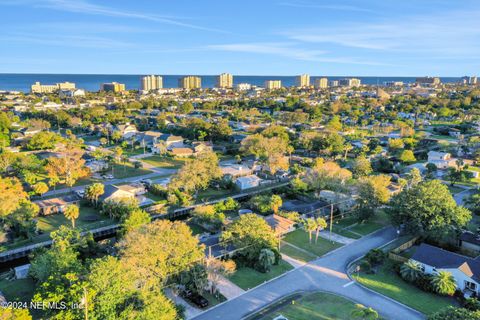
(294, 262)
(460, 197)
(190, 311)
(229, 289)
(327, 273)
(335, 237)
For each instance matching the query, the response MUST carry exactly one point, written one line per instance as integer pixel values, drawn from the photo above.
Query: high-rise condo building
(334, 83)
(321, 83)
(49, 88)
(273, 84)
(302, 81)
(151, 82)
(112, 87)
(225, 80)
(428, 80)
(350, 82)
(469, 80)
(190, 82)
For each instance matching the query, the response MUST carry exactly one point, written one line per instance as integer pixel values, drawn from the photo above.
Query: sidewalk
(335, 237)
(229, 289)
(190, 311)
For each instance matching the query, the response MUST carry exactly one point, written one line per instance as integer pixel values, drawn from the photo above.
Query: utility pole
(331, 220)
(86, 302)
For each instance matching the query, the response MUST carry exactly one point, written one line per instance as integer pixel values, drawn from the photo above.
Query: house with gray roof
(465, 270)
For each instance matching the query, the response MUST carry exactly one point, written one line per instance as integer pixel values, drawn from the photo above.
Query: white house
(465, 270)
(248, 182)
(442, 160)
(126, 130)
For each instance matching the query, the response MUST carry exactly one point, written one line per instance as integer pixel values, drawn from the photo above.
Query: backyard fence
(394, 254)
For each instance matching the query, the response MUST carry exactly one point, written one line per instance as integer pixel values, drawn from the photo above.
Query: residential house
(465, 270)
(470, 242)
(202, 146)
(235, 170)
(149, 139)
(97, 165)
(56, 205)
(126, 130)
(248, 182)
(453, 132)
(442, 160)
(280, 225)
(182, 152)
(133, 191)
(172, 141)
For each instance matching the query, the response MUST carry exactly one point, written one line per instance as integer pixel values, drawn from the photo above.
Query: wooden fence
(394, 254)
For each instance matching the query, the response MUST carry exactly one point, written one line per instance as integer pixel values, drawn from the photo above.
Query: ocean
(91, 82)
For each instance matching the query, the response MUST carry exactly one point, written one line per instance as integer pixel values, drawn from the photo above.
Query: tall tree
(94, 191)
(71, 213)
(320, 225)
(11, 194)
(427, 208)
(310, 226)
(152, 263)
(250, 233)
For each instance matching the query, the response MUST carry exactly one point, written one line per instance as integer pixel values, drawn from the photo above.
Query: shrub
(375, 257)
(366, 267)
(471, 303)
(158, 190)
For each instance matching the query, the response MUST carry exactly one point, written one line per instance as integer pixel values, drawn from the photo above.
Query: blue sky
(262, 37)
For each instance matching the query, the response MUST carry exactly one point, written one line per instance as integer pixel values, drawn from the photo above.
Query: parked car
(198, 300)
(195, 298)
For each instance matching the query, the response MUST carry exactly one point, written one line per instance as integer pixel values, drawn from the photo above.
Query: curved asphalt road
(327, 273)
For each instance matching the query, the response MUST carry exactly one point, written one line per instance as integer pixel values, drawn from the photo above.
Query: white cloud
(313, 5)
(289, 50)
(85, 7)
(453, 33)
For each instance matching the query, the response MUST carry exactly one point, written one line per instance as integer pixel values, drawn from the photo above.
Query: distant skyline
(273, 37)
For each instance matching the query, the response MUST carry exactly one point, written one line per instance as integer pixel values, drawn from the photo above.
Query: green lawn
(366, 227)
(345, 232)
(196, 229)
(47, 224)
(127, 170)
(300, 239)
(454, 189)
(18, 290)
(165, 162)
(387, 282)
(212, 299)
(309, 306)
(208, 194)
(295, 253)
(134, 152)
(247, 278)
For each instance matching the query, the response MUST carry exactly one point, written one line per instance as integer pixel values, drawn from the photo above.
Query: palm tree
(411, 271)
(320, 225)
(72, 212)
(362, 312)
(266, 259)
(94, 191)
(310, 225)
(444, 283)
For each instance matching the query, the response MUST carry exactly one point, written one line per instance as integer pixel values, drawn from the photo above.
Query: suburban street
(327, 273)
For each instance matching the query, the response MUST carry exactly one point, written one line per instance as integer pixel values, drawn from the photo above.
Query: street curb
(376, 292)
(277, 277)
(296, 268)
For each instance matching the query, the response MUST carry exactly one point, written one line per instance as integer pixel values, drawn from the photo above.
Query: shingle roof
(440, 258)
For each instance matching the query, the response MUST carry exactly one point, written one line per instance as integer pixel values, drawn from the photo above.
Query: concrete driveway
(327, 273)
